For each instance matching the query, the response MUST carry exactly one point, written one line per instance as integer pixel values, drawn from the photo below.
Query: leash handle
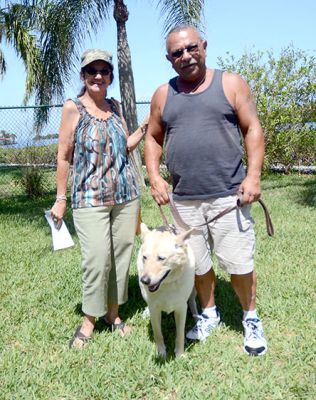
(269, 225)
(239, 204)
(183, 224)
(268, 220)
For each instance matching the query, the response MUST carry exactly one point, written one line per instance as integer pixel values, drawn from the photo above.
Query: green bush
(29, 155)
(31, 181)
(284, 89)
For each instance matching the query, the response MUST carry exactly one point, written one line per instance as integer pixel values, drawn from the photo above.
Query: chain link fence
(28, 156)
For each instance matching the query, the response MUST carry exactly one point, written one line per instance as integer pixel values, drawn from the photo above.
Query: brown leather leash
(239, 204)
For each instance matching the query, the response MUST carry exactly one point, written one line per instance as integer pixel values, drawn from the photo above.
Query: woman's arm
(69, 120)
(134, 139)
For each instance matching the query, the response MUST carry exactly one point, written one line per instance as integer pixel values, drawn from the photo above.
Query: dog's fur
(166, 277)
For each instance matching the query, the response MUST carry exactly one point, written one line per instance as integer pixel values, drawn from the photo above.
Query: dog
(166, 269)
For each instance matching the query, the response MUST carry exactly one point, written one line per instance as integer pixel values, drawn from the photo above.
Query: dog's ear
(143, 230)
(184, 235)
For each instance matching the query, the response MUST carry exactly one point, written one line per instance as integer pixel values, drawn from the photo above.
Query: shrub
(31, 181)
(284, 89)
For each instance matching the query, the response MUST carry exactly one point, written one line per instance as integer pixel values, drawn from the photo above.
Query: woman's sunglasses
(93, 71)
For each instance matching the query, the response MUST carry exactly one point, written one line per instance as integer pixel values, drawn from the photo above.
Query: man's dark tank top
(203, 142)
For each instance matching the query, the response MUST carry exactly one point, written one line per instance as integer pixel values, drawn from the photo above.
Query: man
(202, 112)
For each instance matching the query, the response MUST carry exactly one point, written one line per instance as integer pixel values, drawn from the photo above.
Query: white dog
(166, 271)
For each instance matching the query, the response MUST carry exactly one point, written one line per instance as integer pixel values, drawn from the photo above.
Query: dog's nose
(145, 280)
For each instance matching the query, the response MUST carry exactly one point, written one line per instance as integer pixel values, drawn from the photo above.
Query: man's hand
(251, 189)
(159, 190)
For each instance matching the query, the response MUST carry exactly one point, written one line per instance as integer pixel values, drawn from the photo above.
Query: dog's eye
(144, 258)
(161, 258)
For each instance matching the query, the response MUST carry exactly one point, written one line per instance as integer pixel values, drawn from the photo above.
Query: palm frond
(63, 28)
(3, 66)
(181, 12)
(16, 27)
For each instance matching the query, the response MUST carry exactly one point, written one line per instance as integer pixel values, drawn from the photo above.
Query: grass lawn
(40, 306)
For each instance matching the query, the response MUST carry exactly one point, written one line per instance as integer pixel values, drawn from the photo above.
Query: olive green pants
(106, 236)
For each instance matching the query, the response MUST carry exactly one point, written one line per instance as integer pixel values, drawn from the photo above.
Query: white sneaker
(255, 343)
(203, 328)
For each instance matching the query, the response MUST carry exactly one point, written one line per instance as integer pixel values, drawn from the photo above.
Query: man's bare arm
(154, 146)
(253, 136)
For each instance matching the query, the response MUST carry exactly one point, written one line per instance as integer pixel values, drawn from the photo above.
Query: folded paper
(61, 237)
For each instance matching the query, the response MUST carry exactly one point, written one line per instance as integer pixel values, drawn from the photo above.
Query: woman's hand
(58, 211)
(134, 139)
(146, 120)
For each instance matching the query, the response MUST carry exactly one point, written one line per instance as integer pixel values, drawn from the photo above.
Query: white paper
(61, 237)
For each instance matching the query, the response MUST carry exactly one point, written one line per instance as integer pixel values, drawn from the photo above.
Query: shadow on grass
(135, 304)
(307, 195)
(28, 209)
(305, 184)
(226, 301)
(228, 305)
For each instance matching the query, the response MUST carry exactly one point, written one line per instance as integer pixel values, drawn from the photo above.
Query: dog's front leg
(180, 317)
(155, 318)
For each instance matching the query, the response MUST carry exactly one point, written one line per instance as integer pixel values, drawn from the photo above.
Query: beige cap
(91, 55)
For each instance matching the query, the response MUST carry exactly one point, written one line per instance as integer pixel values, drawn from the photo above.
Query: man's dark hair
(182, 27)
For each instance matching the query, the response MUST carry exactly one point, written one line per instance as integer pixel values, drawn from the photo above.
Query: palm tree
(176, 12)
(126, 77)
(47, 35)
(16, 22)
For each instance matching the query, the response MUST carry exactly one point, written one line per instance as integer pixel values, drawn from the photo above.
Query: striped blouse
(102, 172)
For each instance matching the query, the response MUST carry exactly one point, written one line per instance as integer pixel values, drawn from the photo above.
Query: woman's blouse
(102, 173)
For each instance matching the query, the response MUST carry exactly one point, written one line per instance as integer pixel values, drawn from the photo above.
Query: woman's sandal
(121, 327)
(79, 340)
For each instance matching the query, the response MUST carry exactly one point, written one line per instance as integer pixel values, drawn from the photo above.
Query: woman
(104, 192)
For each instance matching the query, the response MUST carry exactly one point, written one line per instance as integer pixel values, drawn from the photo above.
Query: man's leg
(234, 246)
(191, 212)
(205, 287)
(209, 318)
(245, 287)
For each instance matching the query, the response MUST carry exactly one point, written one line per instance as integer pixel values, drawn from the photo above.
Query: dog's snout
(145, 280)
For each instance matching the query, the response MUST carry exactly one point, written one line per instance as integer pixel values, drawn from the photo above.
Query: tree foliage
(284, 89)
(48, 34)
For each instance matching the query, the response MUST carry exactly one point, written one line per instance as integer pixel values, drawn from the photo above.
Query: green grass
(41, 301)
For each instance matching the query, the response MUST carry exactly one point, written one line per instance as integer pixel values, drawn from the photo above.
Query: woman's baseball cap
(91, 55)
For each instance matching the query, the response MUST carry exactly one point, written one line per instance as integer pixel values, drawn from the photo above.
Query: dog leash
(239, 204)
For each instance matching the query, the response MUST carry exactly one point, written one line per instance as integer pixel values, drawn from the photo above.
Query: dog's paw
(146, 313)
(179, 353)
(162, 353)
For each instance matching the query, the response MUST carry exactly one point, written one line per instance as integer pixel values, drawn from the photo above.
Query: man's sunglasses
(193, 49)
(93, 71)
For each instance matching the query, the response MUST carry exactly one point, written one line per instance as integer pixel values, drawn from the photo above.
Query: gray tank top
(203, 142)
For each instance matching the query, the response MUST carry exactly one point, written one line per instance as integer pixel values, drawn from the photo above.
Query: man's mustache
(187, 63)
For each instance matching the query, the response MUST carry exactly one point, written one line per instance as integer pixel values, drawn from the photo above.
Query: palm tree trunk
(126, 78)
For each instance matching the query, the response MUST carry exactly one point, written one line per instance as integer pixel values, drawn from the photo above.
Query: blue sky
(231, 26)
